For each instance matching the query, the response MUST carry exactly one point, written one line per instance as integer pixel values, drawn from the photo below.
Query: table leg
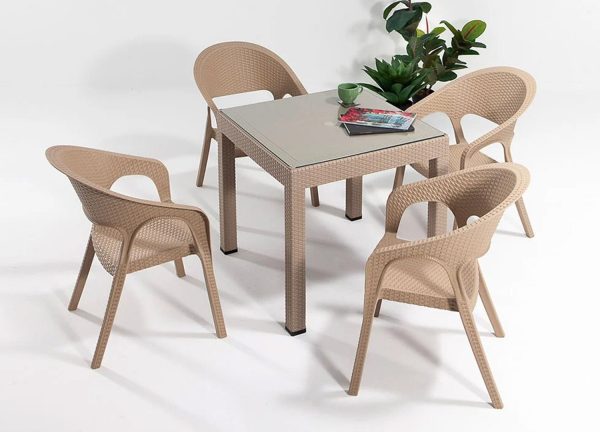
(227, 198)
(437, 212)
(295, 265)
(354, 198)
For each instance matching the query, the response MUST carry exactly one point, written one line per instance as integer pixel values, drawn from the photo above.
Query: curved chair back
(484, 191)
(92, 173)
(237, 67)
(499, 94)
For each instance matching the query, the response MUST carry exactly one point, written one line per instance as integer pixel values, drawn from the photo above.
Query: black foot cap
(295, 333)
(229, 252)
(353, 219)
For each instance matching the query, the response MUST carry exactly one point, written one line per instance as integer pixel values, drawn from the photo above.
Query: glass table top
(304, 130)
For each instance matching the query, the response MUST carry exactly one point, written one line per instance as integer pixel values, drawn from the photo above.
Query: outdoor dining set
(298, 141)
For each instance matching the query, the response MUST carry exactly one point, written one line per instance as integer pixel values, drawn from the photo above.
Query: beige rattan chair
(499, 94)
(442, 272)
(130, 234)
(237, 67)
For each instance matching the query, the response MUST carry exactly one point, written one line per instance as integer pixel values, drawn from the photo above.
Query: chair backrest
(484, 191)
(92, 172)
(498, 94)
(237, 67)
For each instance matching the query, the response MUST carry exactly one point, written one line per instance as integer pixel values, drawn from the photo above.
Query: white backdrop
(117, 75)
(151, 45)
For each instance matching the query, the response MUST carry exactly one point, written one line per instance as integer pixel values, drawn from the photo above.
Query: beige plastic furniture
(442, 272)
(298, 142)
(230, 68)
(130, 234)
(499, 94)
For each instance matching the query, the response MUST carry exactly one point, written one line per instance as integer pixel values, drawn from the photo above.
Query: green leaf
(375, 76)
(451, 28)
(478, 45)
(410, 91)
(388, 9)
(447, 76)
(438, 31)
(397, 88)
(457, 67)
(473, 29)
(420, 33)
(411, 48)
(435, 44)
(402, 18)
(391, 97)
(424, 6)
(403, 58)
(371, 87)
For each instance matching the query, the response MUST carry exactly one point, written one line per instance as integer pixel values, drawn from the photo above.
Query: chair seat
(424, 282)
(159, 241)
(456, 152)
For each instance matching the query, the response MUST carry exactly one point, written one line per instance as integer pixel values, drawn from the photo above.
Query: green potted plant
(409, 77)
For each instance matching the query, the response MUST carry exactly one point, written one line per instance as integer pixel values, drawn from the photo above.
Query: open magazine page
(399, 120)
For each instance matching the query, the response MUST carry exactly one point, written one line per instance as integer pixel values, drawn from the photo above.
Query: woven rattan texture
(442, 271)
(130, 234)
(456, 153)
(499, 94)
(236, 67)
(157, 242)
(422, 281)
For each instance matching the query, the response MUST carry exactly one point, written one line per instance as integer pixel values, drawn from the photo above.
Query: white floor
(164, 368)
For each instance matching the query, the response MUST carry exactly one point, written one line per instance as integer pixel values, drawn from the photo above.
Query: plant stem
(410, 5)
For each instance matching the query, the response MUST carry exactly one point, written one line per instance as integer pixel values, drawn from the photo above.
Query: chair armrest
(128, 214)
(502, 134)
(131, 214)
(431, 248)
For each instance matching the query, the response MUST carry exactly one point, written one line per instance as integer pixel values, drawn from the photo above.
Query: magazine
(398, 120)
(354, 129)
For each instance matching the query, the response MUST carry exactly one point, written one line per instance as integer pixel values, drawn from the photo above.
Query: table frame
(297, 180)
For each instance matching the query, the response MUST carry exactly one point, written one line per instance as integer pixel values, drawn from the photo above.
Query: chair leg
(377, 308)
(88, 257)
(314, 196)
(208, 136)
(213, 294)
(469, 324)
(113, 303)
(489, 306)
(520, 204)
(363, 344)
(179, 268)
(524, 218)
(399, 177)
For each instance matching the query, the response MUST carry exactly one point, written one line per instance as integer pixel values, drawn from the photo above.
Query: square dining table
(299, 142)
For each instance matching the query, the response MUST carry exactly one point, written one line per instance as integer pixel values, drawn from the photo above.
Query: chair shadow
(511, 233)
(88, 316)
(331, 352)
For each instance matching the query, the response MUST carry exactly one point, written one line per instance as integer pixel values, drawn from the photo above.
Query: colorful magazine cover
(379, 118)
